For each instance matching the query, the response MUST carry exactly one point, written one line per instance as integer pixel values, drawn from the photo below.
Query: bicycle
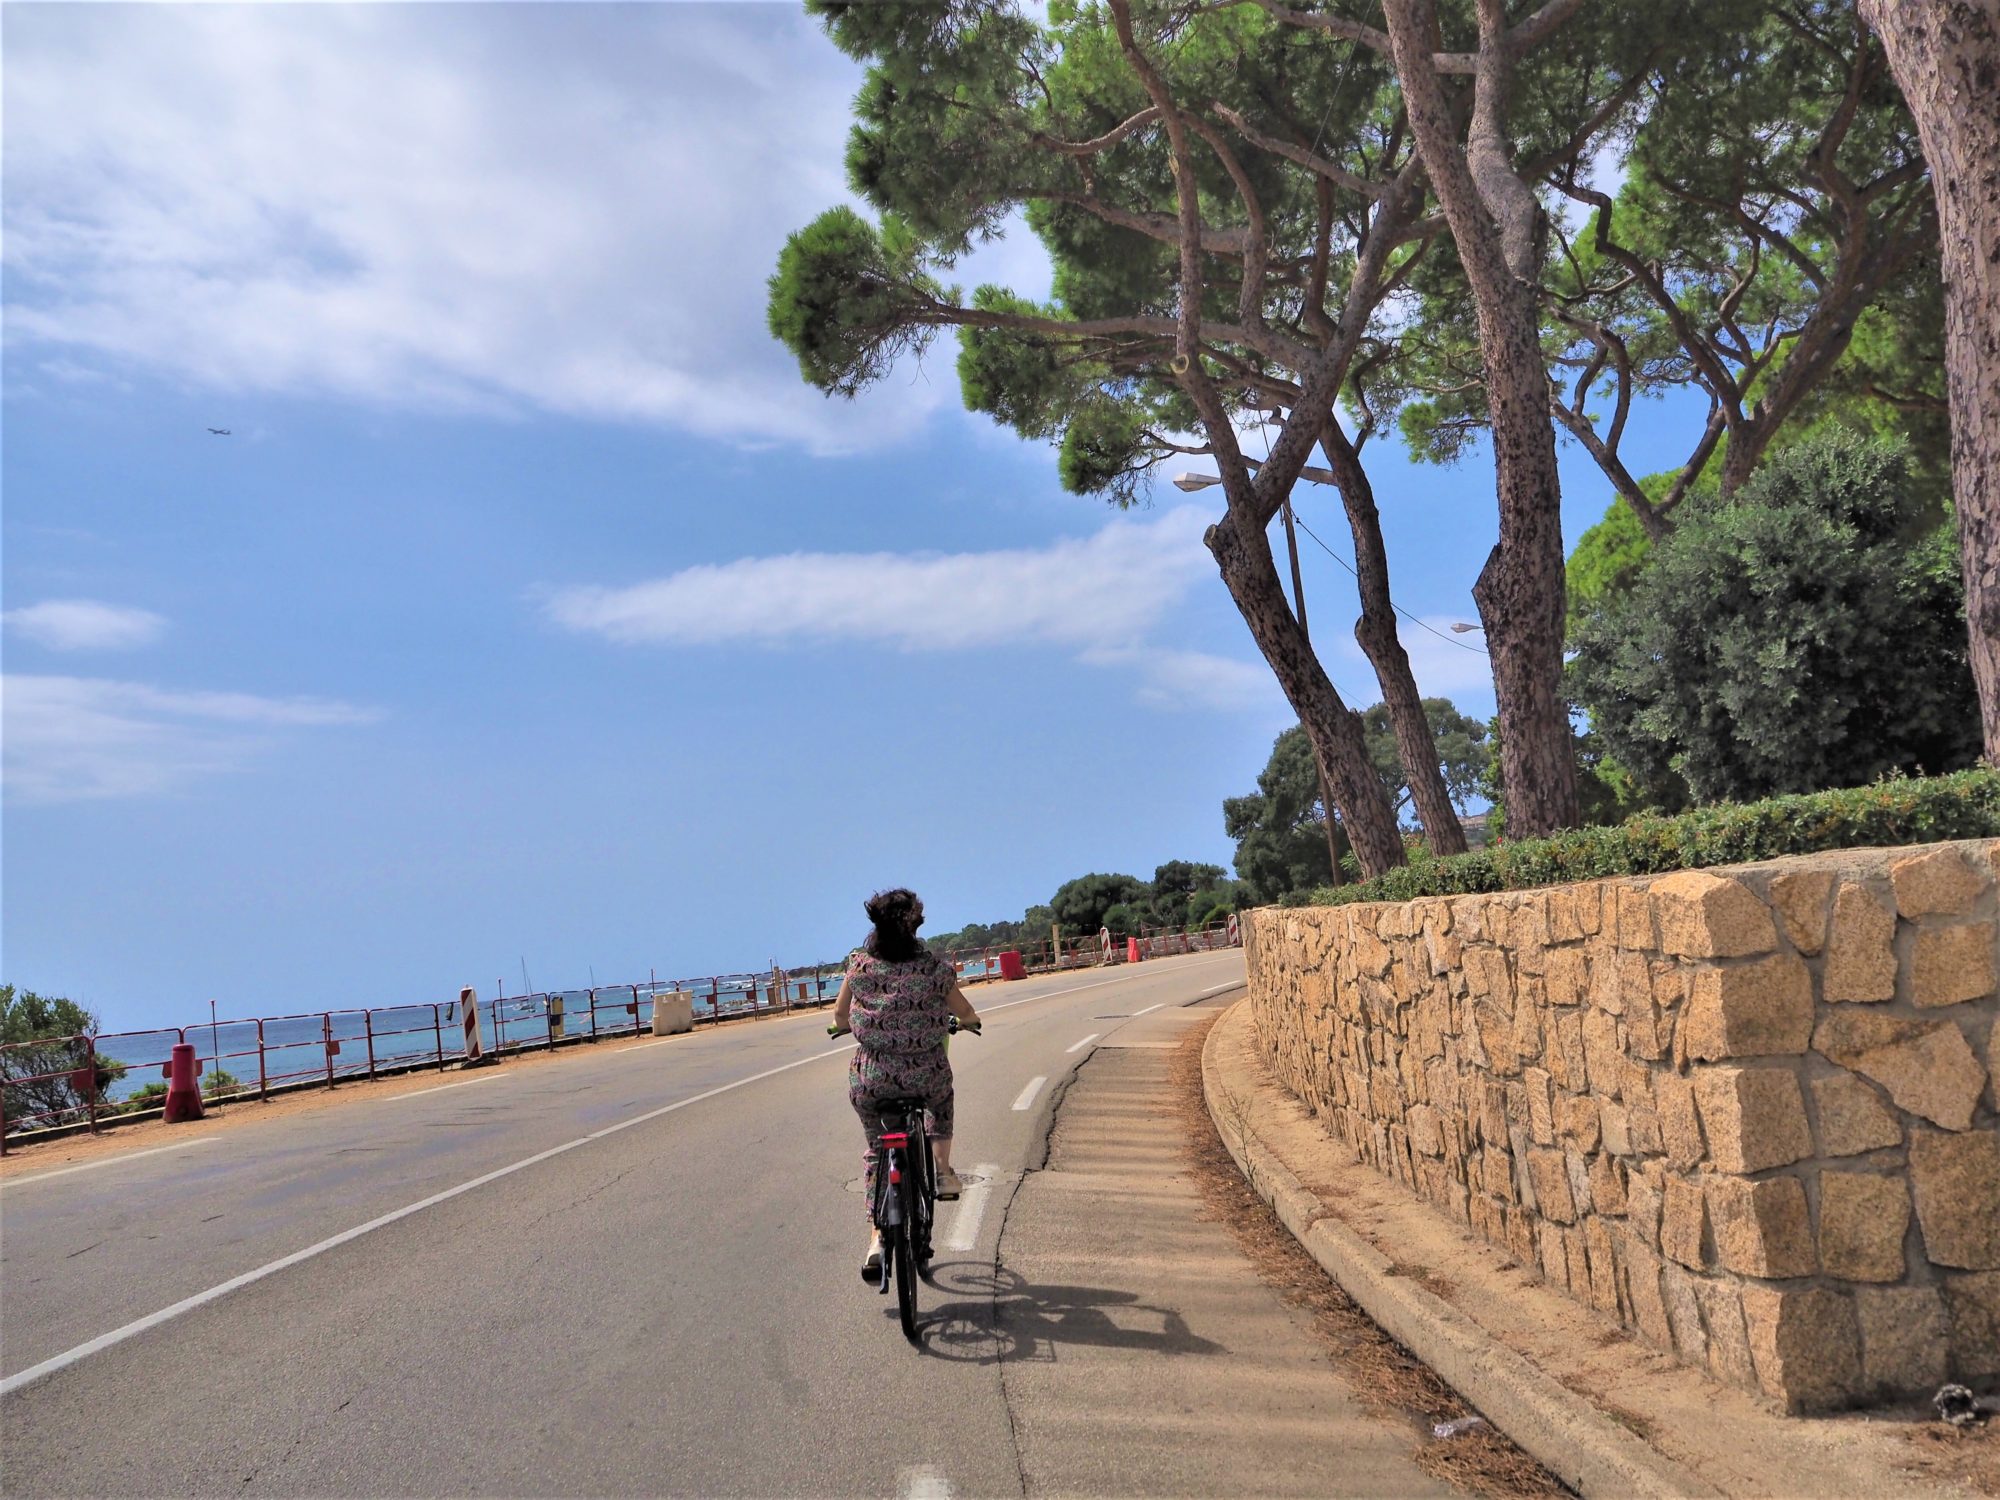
(905, 1196)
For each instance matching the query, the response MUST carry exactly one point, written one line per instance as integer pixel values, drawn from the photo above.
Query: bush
(1807, 632)
(1915, 810)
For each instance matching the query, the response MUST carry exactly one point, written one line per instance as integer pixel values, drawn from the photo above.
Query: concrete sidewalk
(1609, 1414)
(1140, 1352)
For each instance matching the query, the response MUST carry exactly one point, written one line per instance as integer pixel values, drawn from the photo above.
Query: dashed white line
(110, 1161)
(972, 1207)
(1028, 1094)
(1079, 1046)
(1216, 989)
(923, 1483)
(1148, 1010)
(189, 1304)
(466, 1084)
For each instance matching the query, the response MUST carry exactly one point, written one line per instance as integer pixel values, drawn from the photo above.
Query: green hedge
(1965, 805)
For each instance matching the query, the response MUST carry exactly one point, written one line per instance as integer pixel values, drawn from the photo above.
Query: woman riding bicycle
(897, 998)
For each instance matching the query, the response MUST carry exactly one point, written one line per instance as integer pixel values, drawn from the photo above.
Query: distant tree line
(1181, 893)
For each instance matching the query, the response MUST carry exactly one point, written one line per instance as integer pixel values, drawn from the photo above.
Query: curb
(1588, 1451)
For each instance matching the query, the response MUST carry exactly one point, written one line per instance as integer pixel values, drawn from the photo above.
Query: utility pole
(1299, 606)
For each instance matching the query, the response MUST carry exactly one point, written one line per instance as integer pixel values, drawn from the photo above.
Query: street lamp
(1191, 482)
(1460, 627)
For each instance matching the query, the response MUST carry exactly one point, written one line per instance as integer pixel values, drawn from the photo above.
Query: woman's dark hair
(897, 915)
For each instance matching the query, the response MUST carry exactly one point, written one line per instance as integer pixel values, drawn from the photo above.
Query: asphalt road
(626, 1274)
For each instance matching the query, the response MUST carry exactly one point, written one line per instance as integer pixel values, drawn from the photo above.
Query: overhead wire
(1264, 424)
(1413, 619)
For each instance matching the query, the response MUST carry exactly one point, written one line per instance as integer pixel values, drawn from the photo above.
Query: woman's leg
(861, 1095)
(942, 1103)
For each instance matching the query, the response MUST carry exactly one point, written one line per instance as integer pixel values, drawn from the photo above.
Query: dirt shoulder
(1388, 1378)
(1497, 1316)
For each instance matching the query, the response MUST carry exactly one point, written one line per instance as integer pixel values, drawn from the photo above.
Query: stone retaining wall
(1751, 1111)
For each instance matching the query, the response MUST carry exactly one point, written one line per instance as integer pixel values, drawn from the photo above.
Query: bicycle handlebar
(952, 1027)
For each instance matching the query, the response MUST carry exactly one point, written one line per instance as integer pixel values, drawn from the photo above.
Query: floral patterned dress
(899, 1013)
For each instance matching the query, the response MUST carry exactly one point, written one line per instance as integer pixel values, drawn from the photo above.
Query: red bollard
(183, 1085)
(1132, 953)
(1011, 966)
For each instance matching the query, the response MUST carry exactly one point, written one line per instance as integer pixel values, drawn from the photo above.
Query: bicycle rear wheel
(906, 1280)
(927, 1219)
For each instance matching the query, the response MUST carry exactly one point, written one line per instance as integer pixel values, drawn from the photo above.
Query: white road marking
(468, 1083)
(1077, 988)
(235, 1283)
(1216, 989)
(110, 1161)
(972, 1207)
(923, 1482)
(1148, 1010)
(1028, 1094)
(1079, 1046)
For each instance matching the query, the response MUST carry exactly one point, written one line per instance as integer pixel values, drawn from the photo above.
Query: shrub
(146, 1096)
(1807, 632)
(1914, 810)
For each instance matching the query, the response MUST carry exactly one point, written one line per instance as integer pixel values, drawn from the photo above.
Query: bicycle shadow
(991, 1315)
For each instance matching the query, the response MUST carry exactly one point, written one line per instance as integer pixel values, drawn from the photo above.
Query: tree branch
(1103, 142)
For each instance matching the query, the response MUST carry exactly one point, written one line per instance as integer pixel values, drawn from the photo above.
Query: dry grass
(1383, 1374)
(1969, 1456)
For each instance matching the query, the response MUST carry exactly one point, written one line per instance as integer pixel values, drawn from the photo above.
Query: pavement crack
(994, 1313)
(596, 1192)
(84, 1251)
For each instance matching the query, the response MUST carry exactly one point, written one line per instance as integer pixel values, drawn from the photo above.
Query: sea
(341, 1043)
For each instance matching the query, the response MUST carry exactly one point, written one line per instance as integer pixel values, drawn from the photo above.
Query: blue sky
(534, 609)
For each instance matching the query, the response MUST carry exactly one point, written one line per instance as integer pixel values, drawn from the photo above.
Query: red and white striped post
(468, 1015)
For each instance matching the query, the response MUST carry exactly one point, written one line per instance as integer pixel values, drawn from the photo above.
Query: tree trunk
(1945, 55)
(1520, 591)
(1339, 876)
(1251, 575)
(1376, 631)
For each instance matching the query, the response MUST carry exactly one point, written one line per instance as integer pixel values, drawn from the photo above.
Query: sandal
(871, 1265)
(948, 1185)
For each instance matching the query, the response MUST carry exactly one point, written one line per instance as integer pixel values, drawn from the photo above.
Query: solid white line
(110, 1161)
(1148, 1010)
(1094, 985)
(1073, 989)
(236, 1283)
(1028, 1094)
(972, 1207)
(1216, 989)
(1079, 1046)
(466, 1084)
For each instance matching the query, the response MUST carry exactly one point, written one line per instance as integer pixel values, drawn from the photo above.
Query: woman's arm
(841, 1004)
(962, 1007)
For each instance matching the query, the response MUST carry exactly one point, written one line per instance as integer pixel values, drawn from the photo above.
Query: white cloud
(1445, 664)
(568, 209)
(1098, 596)
(76, 738)
(85, 625)
(1099, 592)
(1199, 679)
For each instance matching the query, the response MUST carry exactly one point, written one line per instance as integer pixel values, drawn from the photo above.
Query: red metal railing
(63, 1088)
(297, 1050)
